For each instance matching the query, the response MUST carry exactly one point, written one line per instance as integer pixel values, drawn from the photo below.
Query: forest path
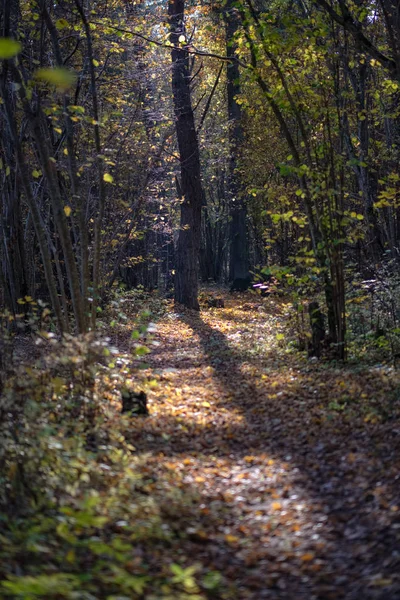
(289, 470)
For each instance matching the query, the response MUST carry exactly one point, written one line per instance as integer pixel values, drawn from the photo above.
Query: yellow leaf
(307, 557)
(206, 404)
(71, 556)
(108, 178)
(382, 582)
(58, 384)
(67, 210)
(351, 457)
(249, 459)
(231, 539)
(200, 534)
(65, 151)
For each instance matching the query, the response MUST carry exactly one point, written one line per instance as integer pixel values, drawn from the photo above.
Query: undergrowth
(80, 515)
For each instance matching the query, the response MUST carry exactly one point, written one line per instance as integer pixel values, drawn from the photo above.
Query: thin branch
(189, 49)
(208, 104)
(347, 21)
(99, 161)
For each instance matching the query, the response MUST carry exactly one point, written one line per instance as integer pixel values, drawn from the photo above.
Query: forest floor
(258, 474)
(286, 471)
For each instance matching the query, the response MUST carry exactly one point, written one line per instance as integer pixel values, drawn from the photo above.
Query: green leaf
(211, 580)
(62, 24)
(141, 350)
(76, 109)
(9, 48)
(41, 586)
(108, 178)
(59, 77)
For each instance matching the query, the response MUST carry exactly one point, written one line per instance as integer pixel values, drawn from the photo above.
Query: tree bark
(239, 265)
(41, 235)
(188, 247)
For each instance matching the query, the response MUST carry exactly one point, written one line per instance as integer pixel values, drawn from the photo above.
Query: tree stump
(215, 303)
(241, 284)
(134, 403)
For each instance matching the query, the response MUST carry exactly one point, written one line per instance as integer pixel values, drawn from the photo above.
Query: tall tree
(188, 247)
(239, 275)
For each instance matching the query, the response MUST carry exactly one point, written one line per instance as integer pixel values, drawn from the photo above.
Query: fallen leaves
(281, 472)
(276, 477)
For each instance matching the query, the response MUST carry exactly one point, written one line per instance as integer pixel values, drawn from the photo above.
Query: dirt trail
(289, 469)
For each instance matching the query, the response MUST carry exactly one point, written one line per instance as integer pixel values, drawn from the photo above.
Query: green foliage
(9, 48)
(60, 585)
(373, 315)
(61, 78)
(74, 510)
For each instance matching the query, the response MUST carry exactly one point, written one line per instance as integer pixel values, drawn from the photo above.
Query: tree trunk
(239, 266)
(188, 247)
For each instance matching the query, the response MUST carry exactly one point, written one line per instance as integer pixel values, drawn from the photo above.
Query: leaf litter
(288, 470)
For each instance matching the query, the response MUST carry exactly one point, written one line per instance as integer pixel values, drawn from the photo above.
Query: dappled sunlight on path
(296, 465)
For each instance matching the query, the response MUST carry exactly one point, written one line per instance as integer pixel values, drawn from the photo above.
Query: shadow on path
(297, 501)
(348, 467)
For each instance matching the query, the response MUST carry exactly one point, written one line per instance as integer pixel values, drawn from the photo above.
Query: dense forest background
(153, 156)
(270, 141)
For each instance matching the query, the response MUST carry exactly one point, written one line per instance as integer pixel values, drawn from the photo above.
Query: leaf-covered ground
(286, 471)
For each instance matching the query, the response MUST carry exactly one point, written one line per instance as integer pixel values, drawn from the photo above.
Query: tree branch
(189, 49)
(347, 21)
